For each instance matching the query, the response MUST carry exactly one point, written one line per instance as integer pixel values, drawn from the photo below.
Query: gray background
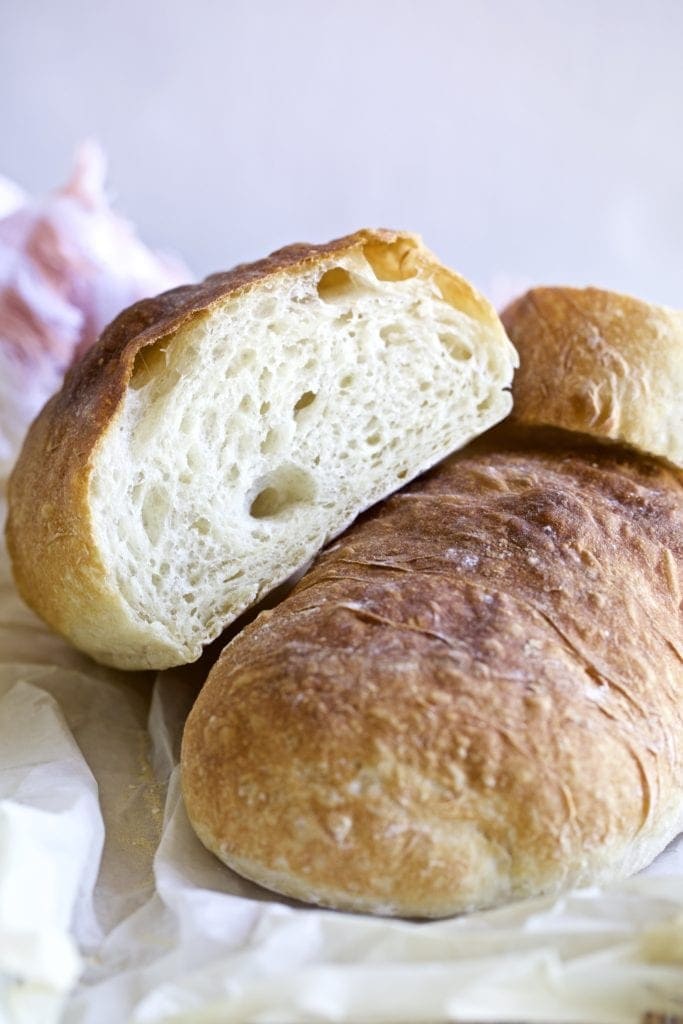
(528, 140)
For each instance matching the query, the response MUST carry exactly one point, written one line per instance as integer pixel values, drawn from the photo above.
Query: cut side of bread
(219, 435)
(602, 364)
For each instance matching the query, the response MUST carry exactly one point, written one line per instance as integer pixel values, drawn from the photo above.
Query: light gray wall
(537, 140)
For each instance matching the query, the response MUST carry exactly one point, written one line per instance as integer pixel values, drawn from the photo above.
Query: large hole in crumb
(149, 362)
(335, 284)
(392, 261)
(279, 491)
(308, 398)
(155, 508)
(456, 348)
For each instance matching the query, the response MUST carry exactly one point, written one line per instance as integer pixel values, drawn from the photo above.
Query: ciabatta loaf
(218, 435)
(476, 694)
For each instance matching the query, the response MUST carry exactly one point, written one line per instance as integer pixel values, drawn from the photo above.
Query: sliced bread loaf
(218, 435)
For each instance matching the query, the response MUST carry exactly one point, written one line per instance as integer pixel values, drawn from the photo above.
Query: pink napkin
(68, 265)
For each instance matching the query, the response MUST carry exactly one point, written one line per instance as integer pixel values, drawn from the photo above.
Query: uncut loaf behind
(218, 435)
(600, 362)
(475, 695)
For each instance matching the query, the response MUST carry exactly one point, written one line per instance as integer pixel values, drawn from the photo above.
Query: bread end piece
(600, 363)
(218, 435)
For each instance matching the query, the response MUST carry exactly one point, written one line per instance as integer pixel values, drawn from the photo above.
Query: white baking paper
(112, 911)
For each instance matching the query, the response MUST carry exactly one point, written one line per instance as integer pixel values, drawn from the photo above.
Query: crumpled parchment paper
(112, 911)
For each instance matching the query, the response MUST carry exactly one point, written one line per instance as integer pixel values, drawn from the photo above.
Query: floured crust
(600, 363)
(473, 696)
(57, 565)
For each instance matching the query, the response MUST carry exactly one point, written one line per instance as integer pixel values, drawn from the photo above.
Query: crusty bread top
(473, 696)
(96, 384)
(600, 363)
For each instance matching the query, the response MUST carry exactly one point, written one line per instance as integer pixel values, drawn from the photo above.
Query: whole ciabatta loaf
(475, 695)
(218, 435)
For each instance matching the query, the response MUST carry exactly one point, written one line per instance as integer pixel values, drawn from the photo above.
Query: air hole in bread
(394, 334)
(149, 361)
(202, 525)
(280, 490)
(308, 398)
(452, 290)
(395, 261)
(373, 439)
(335, 284)
(194, 459)
(273, 440)
(456, 348)
(347, 380)
(154, 511)
(267, 503)
(245, 358)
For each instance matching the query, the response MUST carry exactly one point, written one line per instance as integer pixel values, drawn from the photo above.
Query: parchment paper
(112, 911)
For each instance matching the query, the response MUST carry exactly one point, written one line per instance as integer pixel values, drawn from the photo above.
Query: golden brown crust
(600, 363)
(56, 562)
(474, 695)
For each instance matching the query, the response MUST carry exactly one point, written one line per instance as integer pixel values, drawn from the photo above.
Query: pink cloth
(68, 265)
